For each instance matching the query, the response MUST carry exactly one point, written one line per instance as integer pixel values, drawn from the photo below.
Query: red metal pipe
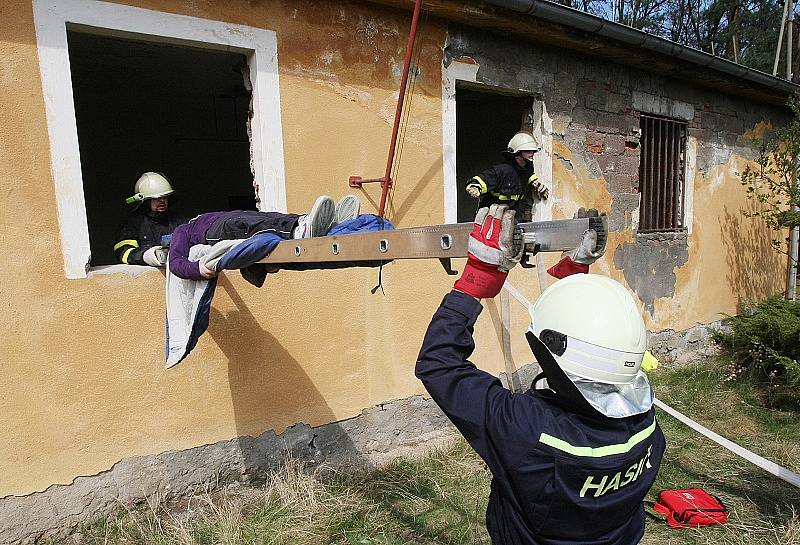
(386, 183)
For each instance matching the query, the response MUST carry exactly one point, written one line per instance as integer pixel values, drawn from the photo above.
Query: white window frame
(450, 75)
(52, 18)
(468, 71)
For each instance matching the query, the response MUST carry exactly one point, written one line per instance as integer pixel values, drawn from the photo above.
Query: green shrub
(764, 341)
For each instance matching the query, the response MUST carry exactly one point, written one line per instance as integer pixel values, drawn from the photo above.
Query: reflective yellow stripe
(126, 254)
(598, 452)
(502, 197)
(480, 183)
(533, 178)
(128, 242)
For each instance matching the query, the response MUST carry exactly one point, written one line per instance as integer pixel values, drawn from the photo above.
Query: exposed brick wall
(596, 102)
(595, 106)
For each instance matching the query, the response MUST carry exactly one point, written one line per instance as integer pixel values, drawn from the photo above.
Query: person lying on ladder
(574, 456)
(213, 227)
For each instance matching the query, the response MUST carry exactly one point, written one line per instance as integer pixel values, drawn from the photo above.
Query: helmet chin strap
(567, 395)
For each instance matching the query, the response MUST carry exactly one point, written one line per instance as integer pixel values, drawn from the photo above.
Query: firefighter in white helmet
(139, 241)
(510, 181)
(573, 457)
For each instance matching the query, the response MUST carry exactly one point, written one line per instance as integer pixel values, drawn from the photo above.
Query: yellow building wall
(83, 365)
(730, 255)
(83, 360)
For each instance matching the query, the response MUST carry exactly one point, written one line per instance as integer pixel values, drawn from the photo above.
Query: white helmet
(150, 185)
(592, 327)
(522, 141)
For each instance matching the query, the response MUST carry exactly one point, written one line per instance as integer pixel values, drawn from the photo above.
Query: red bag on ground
(692, 507)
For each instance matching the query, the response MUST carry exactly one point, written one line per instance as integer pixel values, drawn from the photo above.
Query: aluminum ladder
(434, 241)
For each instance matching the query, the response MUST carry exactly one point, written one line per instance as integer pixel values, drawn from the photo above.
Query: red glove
(586, 253)
(566, 266)
(491, 252)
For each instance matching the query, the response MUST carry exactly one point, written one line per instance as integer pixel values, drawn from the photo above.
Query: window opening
(145, 106)
(485, 121)
(662, 166)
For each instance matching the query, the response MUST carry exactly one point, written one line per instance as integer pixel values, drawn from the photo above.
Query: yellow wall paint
(575, 188)
(83, 359)
(84, 384)
(758, 131)
(730, 255)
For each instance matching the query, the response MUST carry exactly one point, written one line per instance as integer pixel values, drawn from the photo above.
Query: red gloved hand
(566, 266)
(586, 253)
(491, 252)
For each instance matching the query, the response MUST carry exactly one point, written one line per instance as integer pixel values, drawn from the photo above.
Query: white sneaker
(318, 221)
(347, 208)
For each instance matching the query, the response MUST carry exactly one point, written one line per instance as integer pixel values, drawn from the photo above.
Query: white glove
(206, 272)
(492, 247)
(491, 252)
(540, 191)
(474, 191)
(155, 256)
(587, 251)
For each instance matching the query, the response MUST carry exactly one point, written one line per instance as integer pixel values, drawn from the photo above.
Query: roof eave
(561, 26)
(567, 16)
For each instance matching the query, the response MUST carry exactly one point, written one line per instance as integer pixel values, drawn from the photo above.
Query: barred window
(662, 163)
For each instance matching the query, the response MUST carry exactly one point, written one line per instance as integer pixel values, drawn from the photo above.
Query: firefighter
(140, 238)
(507, 182)
(573, 457)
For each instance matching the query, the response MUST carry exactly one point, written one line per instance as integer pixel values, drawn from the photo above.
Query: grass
(763, 507)
(441, 497)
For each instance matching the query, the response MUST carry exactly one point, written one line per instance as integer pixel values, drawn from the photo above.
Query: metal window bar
(661, 174)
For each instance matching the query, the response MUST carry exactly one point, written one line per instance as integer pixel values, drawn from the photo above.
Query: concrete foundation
(683, 346)
(369, 438)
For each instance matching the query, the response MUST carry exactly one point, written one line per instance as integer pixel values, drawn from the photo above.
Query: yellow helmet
(150, 185)
(522, 141)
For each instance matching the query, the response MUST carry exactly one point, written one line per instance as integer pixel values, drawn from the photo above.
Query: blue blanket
(189, 301)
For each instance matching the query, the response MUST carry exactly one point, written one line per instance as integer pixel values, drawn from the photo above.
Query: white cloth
(184, 296)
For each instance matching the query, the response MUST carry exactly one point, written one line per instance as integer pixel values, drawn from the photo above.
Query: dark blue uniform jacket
(504, 183)
(558, 477)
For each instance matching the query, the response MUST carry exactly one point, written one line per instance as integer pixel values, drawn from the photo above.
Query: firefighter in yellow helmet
(508, 182)
(139, 241)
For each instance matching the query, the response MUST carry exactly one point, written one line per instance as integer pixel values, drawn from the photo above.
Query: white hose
(771, 467)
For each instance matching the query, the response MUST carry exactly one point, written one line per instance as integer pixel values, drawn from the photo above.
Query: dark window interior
(485, 121)
(661, 173)
(144, 106)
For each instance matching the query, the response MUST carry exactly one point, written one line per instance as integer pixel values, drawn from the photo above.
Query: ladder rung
(433, 241)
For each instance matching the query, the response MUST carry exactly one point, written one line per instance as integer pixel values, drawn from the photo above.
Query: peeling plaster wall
(649, 265)
(85, 385)
(680, 279)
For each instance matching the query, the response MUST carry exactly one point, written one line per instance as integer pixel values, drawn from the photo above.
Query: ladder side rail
(427, 242)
